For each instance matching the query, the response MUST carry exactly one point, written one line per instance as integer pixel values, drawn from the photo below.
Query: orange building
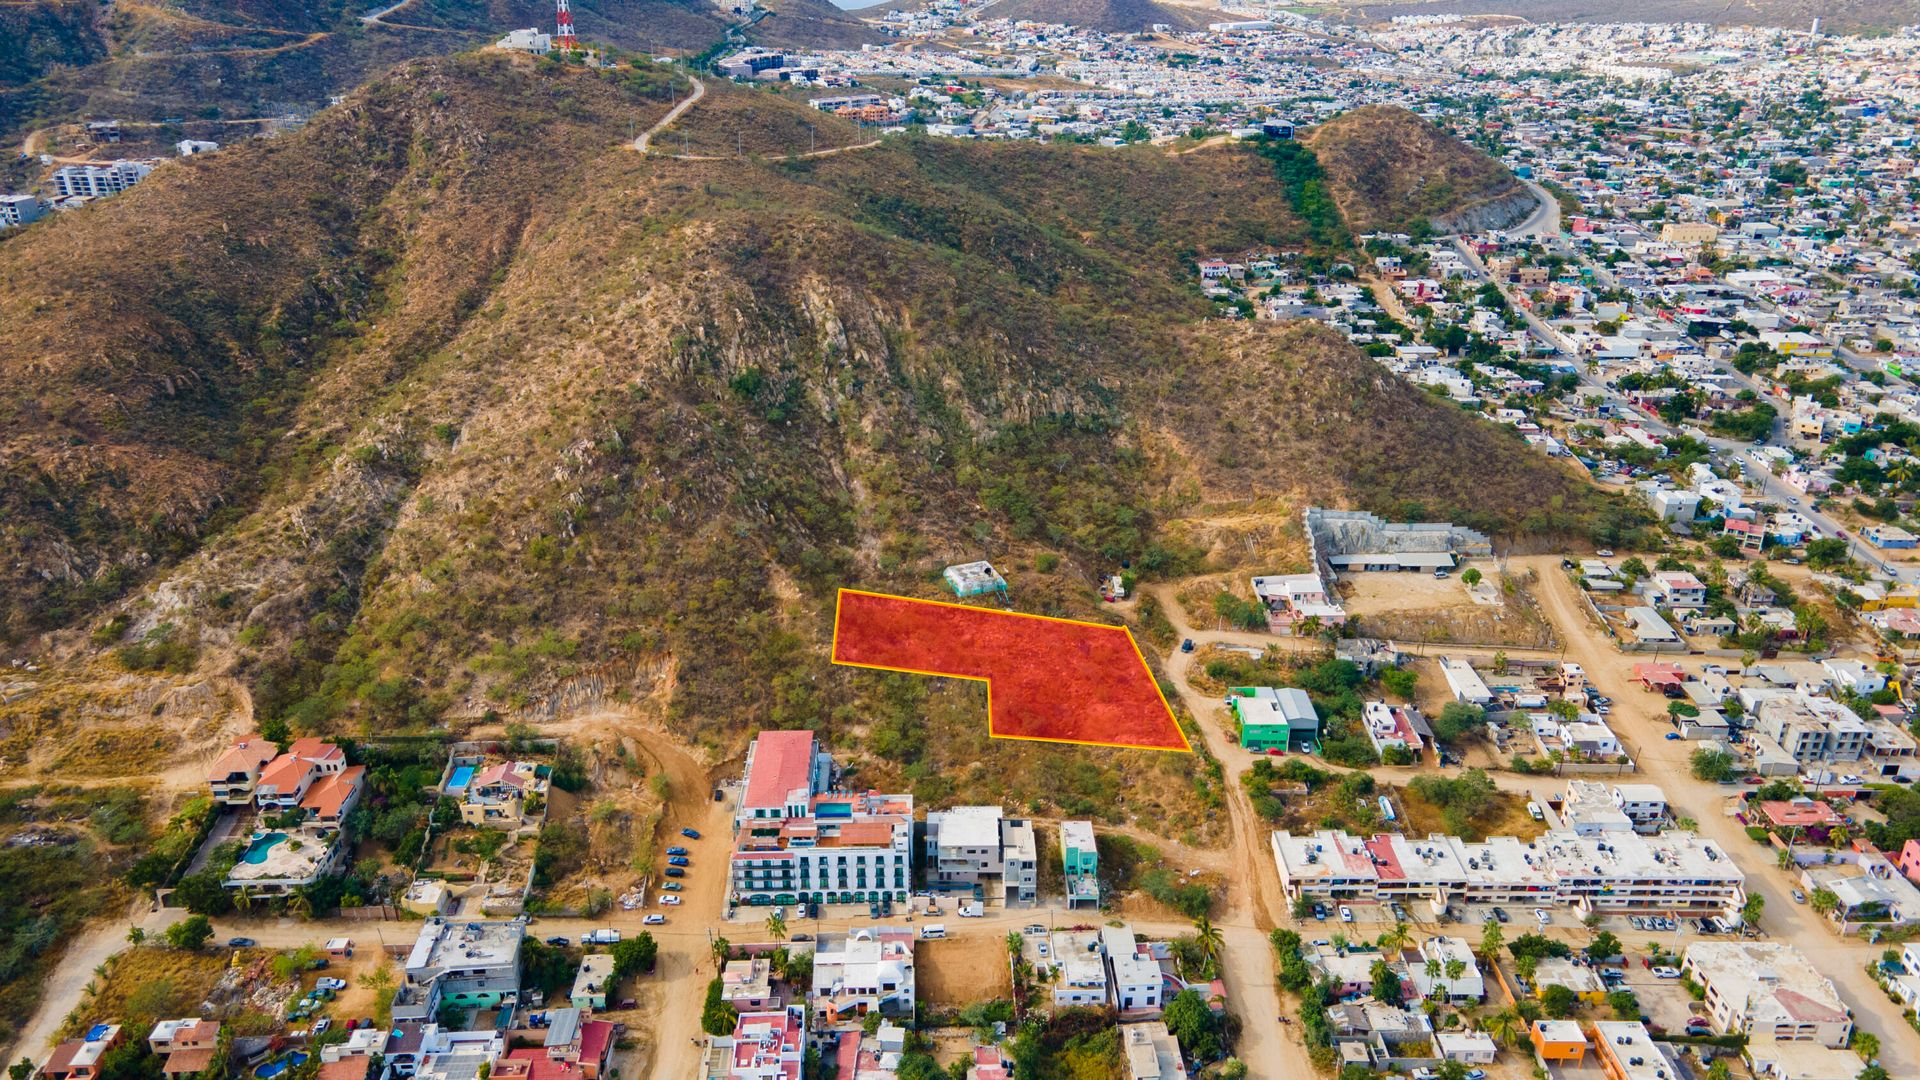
(1558, 1041)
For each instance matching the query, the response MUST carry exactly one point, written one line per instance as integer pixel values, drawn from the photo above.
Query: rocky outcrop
(1502, 212)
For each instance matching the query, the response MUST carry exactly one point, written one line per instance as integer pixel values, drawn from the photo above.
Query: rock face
(1499, 213)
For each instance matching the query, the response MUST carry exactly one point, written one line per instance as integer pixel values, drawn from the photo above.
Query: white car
(670, 900)
(654, 920)
(1665, 972)
(330, 984)
(1541, 914)
(1346, 913)
(1799, 897)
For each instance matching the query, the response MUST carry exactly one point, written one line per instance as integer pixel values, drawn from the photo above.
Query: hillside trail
(644, 143)
(679, 109)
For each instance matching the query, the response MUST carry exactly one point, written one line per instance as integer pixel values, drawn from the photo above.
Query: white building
(1644, 804)
(1767, 990)
(1464, 683)
(796, 839)
(17, 210)
(1437, 956)
(862, 972)
(1133, 972)
(1675, 871)
(190, 147)
(99, 181)
(530, 40)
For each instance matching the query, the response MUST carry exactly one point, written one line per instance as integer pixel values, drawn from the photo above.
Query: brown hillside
(207, 58)
(503, 416)
(1388, 169)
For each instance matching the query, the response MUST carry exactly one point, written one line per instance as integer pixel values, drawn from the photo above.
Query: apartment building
(1644, 804)
(769, 1045)
(1622, 871)
(979, 849)
(464, 962)
(17, 210)
(797, 839)
(1812, 729)
(1073, 965)
(1767, 990)
(1080, 857)
(99, 181)
(1627, 1052)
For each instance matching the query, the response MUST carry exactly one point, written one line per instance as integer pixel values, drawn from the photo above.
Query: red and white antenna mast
(563, 38)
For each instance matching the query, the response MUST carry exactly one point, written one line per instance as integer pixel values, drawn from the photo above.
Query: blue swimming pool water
(275, 1068)
(457, 783)
(257, 851)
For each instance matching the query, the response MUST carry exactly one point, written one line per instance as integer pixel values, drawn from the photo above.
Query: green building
(1275, 719)
(1082, 863)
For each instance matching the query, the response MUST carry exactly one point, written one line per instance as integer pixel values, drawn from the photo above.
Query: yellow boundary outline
(1185, 746)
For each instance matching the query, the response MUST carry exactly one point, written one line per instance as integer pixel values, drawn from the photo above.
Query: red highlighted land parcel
(1053, 680)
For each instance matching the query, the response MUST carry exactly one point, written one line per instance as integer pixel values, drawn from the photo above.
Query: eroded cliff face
(1503, 212)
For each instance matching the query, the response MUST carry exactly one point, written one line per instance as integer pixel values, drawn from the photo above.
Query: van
(933, 931)
(970, 911)
(1533, 808)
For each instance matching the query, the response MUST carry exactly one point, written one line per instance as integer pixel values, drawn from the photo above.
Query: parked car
(1605, 553)
(674, 871)
(1320, 912)
(560, 942)
(676, 851)
(1186, 645)
(1346, 913)
(1666, 972)
(240, 943)
(1798, 896)
(672, 886)
(1476, 1074)
(1541, 914)
(1673, 736)
(679, 860)
(321, 1025)
(1500, 914)
(655, 919)
(331, 984)
(670, 900)
(691, 834)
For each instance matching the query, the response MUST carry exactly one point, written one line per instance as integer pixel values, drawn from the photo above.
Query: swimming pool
(275, 1068)
(257, 851)
(457, 783)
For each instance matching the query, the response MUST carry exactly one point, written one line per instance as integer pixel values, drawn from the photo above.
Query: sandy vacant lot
(962, 970)
(1421, 607)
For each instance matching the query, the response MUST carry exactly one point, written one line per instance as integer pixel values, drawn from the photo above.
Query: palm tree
(1014, 943)
(1824, 901)
(1456, 967)
(1208, 937)
(1505, 1026)
(1491, 938)
(722, 952)
(1866, 1044)
(298, 905)
(1395, 939)
(1784, 860)
(777, 926)
(244, 898)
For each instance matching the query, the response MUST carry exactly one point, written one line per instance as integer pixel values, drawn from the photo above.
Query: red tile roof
(245, 756)
(782, 763)
(326, 797)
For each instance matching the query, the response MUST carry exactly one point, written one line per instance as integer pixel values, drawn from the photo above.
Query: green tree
(1624, 1005)
(777, 926)
(1491, 938)
(632, 955)
(191, 932)
(1471, 576)
(1208, 937)
(718, 1016)
(1559, 1001)
(1604, 945)
(1711, 766)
